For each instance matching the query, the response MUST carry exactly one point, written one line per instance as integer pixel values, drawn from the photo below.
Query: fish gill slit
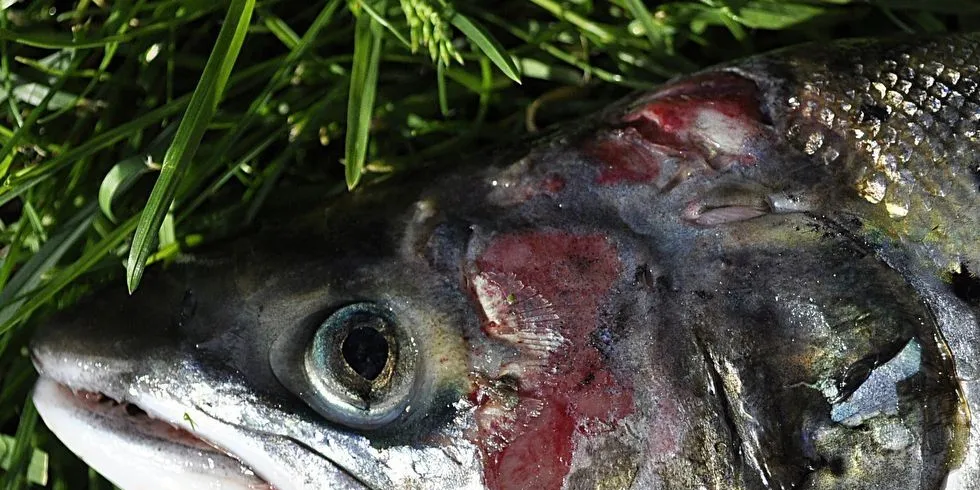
(727, 413)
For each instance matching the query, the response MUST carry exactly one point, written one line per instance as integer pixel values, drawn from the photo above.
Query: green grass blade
(480, 37)
(387, 25)
(203, 104)
(22, 182)
(119, 179)
(124, 174)
(37, 469)
(62, 40)
(363, 88)
(11, 144)
(29, 275)
(282, 31)
(558, 9)
(22, 450)
(774, 15)
(168, 232)
(65, 276)
(641, 14)
(441, 86)
(11, 260)
(278, 80)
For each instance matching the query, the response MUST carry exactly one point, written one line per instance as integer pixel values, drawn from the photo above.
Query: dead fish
(755, 277)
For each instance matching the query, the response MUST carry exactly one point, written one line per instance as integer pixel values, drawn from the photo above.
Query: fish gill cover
(134, 131)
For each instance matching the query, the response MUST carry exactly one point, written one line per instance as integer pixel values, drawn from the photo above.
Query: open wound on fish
(540, 294)
(707, 125)
(524, 320)
(708, 122)
(518, 315)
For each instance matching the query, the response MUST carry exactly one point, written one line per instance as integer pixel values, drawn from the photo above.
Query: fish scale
(901, 135)
(901, 119)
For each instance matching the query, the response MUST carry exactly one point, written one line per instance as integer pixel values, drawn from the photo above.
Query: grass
(133, 130)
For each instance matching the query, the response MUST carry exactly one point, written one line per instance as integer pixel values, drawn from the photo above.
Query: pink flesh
(708, 120)
(627, 157)
(531, 445)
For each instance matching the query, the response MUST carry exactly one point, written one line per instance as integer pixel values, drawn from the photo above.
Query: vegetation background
(134, 130)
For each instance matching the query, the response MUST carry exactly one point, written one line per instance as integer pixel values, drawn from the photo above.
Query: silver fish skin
(755, 277)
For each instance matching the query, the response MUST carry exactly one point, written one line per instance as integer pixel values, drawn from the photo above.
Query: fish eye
(361, 365)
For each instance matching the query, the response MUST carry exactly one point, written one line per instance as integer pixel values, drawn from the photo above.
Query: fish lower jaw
(133, 449)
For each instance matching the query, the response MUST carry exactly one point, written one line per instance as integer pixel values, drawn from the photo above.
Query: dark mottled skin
(675, 293)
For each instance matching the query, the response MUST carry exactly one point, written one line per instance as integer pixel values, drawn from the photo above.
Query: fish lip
(67, 383)
(135, 426)
(114, 379)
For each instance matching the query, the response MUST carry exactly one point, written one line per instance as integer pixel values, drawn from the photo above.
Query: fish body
(750, 278)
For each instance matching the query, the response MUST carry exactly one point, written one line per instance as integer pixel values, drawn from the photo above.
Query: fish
(758, 276)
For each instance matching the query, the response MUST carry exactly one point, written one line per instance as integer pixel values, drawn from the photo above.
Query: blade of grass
(20, 457)
(61, 40)
(487, 78)
(281, 30)
(368, 35)
(121, 178)
(37, 469)
(277, 82)
(8, 149)
(775, 15)
(387, 25)
(641, 13)
(29, 275)
(11, 259)
(8, 77)
(482, 39)
(123, 175)
(65, 276)
(557, 9)
(441, 86)
(200, 110)
(29, 178)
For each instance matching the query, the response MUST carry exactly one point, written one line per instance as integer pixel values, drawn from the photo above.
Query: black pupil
(366, 352)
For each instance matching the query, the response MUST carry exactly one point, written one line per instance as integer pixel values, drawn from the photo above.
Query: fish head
(316, 355)
(576, 317)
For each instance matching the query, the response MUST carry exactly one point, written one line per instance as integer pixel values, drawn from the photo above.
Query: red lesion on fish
(628, 156)
(516, 184)
(541, 294)
(518, 315)
(705, 123)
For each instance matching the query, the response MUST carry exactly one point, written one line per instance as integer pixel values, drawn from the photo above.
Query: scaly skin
(734, 282)
(897, 122)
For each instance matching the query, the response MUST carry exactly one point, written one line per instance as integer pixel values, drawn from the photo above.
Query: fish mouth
(139, 434)
(136, 449)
